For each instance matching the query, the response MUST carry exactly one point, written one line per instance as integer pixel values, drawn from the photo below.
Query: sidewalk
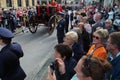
(42, 74)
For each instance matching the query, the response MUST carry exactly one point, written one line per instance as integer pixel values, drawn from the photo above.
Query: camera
(54, 66)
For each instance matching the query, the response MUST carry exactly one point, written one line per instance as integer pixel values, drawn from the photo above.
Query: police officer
(10, 53)
(67, 21)
(61, 27)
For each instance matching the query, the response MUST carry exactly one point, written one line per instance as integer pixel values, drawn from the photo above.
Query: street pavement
(38, 52)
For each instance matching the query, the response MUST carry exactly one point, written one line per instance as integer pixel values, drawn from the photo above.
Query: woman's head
(62, 51)
(92, 68)
(71, 37)
(108, 23)
(81, 26)
(100, 35)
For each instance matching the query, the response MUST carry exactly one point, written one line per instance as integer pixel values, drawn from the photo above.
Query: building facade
(17, 3)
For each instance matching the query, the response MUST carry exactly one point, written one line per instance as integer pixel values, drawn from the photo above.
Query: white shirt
(112, 57)
(1, 46)
(111, 13)
(75, 77)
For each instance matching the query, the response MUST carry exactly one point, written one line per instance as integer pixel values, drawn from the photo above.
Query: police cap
(61, 13)
(5, 33)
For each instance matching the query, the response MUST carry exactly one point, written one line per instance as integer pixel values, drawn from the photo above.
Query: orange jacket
(99, 52)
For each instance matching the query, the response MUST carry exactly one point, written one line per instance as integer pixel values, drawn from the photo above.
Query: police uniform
(61, 29)
(10, 68)
(67, 21)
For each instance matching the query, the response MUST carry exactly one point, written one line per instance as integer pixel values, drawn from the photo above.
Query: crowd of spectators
(94, 41)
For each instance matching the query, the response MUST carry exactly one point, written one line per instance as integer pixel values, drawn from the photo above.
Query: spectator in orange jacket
(98, 48)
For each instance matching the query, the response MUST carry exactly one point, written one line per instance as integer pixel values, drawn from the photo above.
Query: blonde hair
(103, 33)
(73, 35)
(80, 23)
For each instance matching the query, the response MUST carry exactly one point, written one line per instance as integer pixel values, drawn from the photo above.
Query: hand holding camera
(50, 76)
(58, 66)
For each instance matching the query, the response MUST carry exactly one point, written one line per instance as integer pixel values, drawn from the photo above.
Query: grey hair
(73, 35)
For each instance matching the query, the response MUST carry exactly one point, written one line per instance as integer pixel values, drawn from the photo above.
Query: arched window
(33, 3)
(19, 2)
(9, 3)
(27, 2)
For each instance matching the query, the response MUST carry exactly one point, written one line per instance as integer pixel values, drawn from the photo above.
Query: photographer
(88, 68)
(63, 53)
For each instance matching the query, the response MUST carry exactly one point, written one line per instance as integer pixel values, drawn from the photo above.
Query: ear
(1, 41)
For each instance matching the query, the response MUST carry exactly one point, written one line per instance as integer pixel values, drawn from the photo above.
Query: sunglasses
(96, 37)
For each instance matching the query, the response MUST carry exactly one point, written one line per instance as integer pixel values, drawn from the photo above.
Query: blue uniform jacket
(9, 62)
(67, 18)
(61, 27)
(114, 74)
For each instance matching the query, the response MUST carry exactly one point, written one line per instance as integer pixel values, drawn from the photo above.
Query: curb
(36, 71)
(40, 69)
(42, 74)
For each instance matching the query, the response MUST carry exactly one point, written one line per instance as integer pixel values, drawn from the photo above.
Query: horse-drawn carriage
(46, 14)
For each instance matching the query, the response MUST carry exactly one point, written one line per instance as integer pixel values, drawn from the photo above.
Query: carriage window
(9, 3)
(33, 3)
(27, 2)
(19, 2)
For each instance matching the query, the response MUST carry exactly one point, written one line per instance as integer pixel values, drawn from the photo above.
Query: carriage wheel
(51, 24)
(32, 26)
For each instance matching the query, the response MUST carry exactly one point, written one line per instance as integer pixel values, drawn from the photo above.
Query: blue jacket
(61, 28)
(67, 18)
(114, 74)
(10, 68)
(77, 50)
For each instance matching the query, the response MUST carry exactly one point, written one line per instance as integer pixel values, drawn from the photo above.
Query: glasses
(96, 37)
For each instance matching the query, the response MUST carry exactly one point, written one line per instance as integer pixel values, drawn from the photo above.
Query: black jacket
(10, 68)
(69, 67)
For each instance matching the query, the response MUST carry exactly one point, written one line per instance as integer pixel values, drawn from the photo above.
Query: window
(33, 3)
(19, 2)
(9, 3)
(27, 2)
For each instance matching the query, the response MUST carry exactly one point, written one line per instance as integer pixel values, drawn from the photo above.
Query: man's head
(97, 17)
(113, 44)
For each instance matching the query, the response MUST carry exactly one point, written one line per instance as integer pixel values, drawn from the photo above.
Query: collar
(1, 46)
(118, 54)
(115, 57)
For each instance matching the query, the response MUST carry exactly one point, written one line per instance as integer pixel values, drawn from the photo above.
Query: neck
(114, 53)
(98, 45)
